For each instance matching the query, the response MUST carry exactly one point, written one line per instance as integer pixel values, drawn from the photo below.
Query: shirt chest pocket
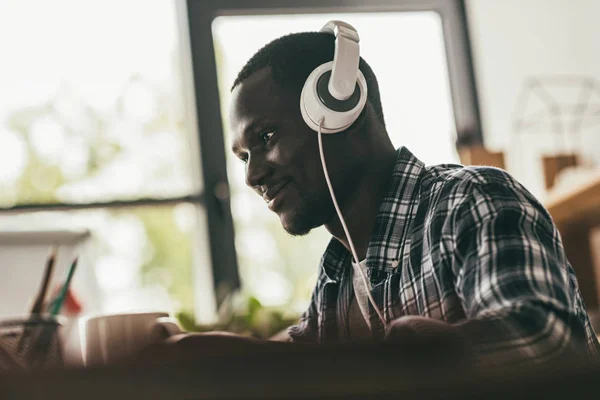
(414, 294)
(401, 297)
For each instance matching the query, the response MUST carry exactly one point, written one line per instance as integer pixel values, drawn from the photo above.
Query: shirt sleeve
(516, 286)
(306, 330)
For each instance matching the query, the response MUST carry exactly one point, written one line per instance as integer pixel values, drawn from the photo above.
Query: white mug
(110, 339)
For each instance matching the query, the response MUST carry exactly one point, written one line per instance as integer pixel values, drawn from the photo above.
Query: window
(90, 113)
(95, 134)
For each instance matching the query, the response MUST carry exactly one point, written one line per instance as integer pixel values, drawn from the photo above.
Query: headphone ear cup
(314, 97)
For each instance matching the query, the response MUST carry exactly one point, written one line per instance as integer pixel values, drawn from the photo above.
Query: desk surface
(373, 372)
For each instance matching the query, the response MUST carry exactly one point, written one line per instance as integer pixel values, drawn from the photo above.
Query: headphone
(332, 98)
(335, 93)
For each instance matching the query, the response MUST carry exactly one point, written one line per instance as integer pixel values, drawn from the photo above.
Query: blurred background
(102, 130)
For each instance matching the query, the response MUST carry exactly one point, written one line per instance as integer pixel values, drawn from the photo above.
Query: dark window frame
(200, 15)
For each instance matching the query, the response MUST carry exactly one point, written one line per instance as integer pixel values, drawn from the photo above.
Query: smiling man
(464, 252)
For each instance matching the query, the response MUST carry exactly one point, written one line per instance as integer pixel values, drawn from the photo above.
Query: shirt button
(395, 264)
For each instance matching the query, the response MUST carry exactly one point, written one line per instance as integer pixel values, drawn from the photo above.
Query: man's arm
(511, 274)
(192, 346)
(201, 346)
(307, 330)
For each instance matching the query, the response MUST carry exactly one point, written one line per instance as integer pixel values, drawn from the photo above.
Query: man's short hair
(293, 57)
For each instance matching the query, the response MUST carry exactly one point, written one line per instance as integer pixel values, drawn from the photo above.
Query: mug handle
(165, 327)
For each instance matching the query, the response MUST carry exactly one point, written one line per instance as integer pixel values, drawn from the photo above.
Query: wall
(516, 39)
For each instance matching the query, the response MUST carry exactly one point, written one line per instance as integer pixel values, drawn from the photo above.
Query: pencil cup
(30, 343)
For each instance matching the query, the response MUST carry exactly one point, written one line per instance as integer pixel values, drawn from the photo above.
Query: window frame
(200, 15)
(209, 195)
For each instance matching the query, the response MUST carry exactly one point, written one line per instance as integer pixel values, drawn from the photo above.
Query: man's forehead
(260, 93)
(260, 77)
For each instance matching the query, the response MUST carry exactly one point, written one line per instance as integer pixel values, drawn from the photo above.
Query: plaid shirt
(465, 245)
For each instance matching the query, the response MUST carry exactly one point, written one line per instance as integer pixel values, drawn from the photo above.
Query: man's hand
(430, 335)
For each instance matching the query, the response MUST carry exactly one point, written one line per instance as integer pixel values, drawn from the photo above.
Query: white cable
(337, 208)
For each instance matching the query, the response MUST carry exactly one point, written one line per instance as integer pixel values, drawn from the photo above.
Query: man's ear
(365, 119)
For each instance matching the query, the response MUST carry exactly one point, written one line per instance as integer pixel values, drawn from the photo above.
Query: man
(458, 255)
(463, 251)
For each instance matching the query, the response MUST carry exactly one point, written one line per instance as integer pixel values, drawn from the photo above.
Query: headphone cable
(337, 209)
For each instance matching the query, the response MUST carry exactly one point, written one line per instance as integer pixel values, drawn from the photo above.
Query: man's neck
(361, 206)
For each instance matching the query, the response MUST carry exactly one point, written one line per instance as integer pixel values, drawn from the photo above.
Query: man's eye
(266, 136)
(243, 157)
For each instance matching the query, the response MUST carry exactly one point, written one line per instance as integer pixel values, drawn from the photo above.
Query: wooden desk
(576, 213)
(377, 371)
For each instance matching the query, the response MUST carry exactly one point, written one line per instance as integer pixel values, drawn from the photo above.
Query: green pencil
(57, 304)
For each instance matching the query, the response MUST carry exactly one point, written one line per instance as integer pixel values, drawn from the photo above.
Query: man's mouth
(270, 195)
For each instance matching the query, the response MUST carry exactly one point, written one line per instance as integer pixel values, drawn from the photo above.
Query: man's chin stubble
(296, 229)
(297, 225)
(302, 226)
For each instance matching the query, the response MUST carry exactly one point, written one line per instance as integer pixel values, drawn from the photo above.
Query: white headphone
(332, 98)
(335, 92)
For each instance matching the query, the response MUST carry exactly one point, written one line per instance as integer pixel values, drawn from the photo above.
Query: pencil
(39, 301)
(57, 304)
(38, 304)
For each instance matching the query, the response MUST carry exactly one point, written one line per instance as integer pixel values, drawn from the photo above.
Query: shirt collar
(395, 213)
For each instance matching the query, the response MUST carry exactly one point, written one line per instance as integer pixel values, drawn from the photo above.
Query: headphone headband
(341, 28)
(345, 59)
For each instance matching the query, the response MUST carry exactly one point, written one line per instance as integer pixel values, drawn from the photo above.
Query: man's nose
(257, 170)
